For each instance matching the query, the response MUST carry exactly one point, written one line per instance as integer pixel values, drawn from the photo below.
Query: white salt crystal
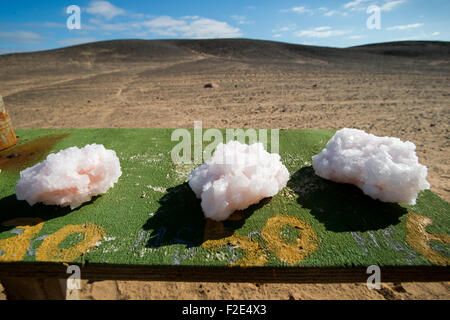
(384, 168)
(70, 177)
(237, 176)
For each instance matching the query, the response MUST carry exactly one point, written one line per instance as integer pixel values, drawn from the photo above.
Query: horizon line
(221, 39)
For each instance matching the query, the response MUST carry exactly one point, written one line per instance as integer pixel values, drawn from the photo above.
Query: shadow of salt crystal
(342, 207)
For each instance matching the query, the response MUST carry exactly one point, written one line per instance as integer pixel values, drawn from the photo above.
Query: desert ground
(397, 89)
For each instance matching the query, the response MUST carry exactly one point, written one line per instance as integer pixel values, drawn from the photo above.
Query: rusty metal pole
(7, 135)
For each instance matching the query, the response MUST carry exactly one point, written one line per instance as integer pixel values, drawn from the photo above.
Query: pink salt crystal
(70, 177)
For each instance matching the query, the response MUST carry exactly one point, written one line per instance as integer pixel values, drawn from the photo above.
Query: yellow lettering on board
(216, 237)
(419, 238)
(49, 250)
(15, 248)
(294, 252)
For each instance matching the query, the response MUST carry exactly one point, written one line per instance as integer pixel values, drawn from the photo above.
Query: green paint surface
(151, 216)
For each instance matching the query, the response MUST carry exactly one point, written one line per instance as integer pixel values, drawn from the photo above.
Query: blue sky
(39, 25)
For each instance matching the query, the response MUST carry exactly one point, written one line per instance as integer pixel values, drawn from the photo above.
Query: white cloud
(279, 31)
(353, 4)
(301, 9)
(189, 17)
(194, 27)
(388, 6)
(163, 32)
(331, 13)
(164, 22)
(75, 41)
(24, 37)
(361, 5)
(209, 28)
(166, 26)
(104, 9)
(407, 38)
(241, 19)
(320, 32)
(355, 37)
(405, 27)
(324, 28)
(282, 29)
(356, 5)
(420, 36)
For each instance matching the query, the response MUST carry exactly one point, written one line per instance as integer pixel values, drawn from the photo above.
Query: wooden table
(150, 226)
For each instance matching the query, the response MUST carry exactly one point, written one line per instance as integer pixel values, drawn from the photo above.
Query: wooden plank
(150, 224)
(225, 274)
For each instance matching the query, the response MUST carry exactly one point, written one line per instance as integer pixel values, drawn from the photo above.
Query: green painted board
(151, 223)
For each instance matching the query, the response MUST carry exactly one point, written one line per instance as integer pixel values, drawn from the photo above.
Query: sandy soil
(255, 291)
(397, 90)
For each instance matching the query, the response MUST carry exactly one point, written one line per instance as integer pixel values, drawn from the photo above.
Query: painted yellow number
(303, 246)
(50, 251)
(216, 237)
(15, 248)
(419, 238)
(300, 249)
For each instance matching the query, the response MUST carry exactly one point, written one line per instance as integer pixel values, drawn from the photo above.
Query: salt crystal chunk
(70, 177)
(385, 168)
(237, 176)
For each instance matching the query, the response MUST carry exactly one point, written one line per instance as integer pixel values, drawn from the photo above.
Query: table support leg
(34, 289)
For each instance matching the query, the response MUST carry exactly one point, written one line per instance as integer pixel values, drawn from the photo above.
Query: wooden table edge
(95, 271)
